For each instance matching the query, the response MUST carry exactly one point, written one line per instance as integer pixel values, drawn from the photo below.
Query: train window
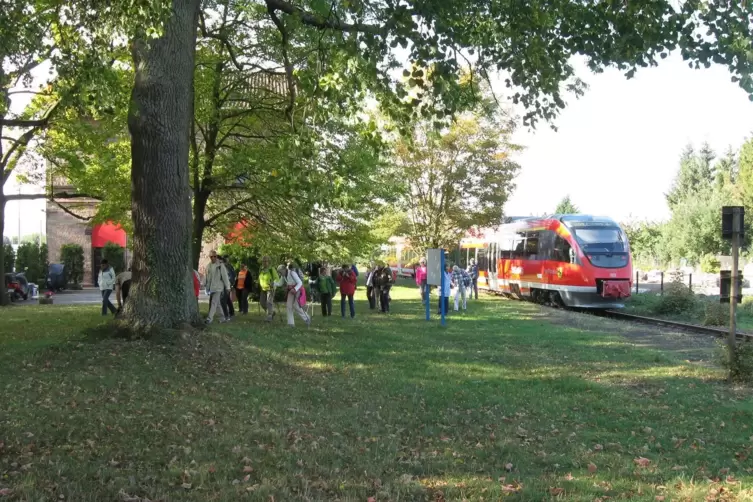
(563, 251)
(532, 246)
(494, 254)
(546, 244)
(519, 245)
(481, 260)
(506, 248)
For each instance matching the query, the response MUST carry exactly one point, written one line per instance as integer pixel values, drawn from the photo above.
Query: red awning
(108, 232)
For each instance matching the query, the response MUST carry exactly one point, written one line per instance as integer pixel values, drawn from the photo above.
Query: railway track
(695, 328)
(623, 316)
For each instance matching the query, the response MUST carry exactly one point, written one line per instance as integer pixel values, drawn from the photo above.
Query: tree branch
(288, 65)
(59, 195)
(24, 123)
(228, 210)
(71, 213)
(319, 22)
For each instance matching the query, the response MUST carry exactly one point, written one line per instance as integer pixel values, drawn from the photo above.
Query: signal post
(733, 228)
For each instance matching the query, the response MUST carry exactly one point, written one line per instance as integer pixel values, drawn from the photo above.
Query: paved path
(87, 296)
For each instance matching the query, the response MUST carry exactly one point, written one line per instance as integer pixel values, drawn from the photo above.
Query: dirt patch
(692, 347)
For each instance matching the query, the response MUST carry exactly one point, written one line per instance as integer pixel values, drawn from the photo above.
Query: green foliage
(715, 314)
(458, 178)
(29, 259)
(44, 259)
(693, 230)
(566, 206)
(695, 174)
(72, 256)
(677, 299)
(710, 264)
(645, 240)
(9, 257)
(115, 256)
(739, 364)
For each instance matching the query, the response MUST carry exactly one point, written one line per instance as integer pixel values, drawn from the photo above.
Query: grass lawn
(499, 404)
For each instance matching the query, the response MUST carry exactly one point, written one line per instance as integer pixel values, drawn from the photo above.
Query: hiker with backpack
(462, 281)
(347, 281)
(296, 293)
(268, 276)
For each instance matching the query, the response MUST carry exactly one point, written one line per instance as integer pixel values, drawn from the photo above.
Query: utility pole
(733, 218)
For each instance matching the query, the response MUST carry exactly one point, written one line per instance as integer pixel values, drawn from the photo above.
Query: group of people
(224, 286)
(464, 282)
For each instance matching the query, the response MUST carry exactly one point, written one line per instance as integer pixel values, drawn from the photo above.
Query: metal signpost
(435, 277)
(733, 218)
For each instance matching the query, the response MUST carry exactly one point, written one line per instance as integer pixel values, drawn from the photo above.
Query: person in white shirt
(106, 281)
(290, 279)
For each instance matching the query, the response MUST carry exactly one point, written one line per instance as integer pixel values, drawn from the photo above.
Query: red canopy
(108, 232)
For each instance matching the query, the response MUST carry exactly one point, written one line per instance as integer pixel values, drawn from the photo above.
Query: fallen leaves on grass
(186, 486)
(508, 466)
(248, 468)
(642, 461)
(6, 492)
(592, 468)
(556, 491)
(598, 447)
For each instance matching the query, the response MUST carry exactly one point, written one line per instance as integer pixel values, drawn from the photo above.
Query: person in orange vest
(242, 286)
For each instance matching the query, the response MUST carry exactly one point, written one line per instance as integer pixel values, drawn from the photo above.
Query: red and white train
(572, 260)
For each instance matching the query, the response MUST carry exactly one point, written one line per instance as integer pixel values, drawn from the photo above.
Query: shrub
(710, 264)
(28, 260)
(746, 307)
(10, 257)
(740, 367)
(72, 256)
(677, 299)
(115, 256)
(716, 314)
(44, 262)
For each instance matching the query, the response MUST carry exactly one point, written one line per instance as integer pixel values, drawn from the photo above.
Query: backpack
(302, 297)
(466, 279)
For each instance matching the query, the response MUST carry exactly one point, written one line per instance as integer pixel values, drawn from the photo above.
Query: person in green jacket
(327, 290)
(267, 277)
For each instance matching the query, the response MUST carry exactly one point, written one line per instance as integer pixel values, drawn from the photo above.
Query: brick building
(70, 224)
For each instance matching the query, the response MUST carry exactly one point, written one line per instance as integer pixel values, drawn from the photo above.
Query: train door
(505, 255)
(493, 266)
(548, 274)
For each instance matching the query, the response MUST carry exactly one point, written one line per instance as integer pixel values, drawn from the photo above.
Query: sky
(616, 149)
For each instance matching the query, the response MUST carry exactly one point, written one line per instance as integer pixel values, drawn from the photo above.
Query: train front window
(605, 247)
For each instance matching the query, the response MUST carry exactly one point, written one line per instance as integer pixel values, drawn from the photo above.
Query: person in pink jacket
(421, 279)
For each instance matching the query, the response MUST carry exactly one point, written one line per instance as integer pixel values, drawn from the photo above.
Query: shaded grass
(390, 407)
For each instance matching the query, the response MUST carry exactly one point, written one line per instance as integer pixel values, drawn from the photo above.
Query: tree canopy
(457, 178)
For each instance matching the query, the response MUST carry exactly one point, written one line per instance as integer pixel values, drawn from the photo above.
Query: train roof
(516, 222)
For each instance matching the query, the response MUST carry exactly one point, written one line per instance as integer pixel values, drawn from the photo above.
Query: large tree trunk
(159, 122)
(199, 208)
(4, 300)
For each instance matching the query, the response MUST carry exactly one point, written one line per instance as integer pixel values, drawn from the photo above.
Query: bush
(10, 257)
(710, 264)
(746, 307)
(115, 256)
(741, 365)
(72, 256)
(45, 263)
(716, 314)
(677, 299)
(28, 260)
